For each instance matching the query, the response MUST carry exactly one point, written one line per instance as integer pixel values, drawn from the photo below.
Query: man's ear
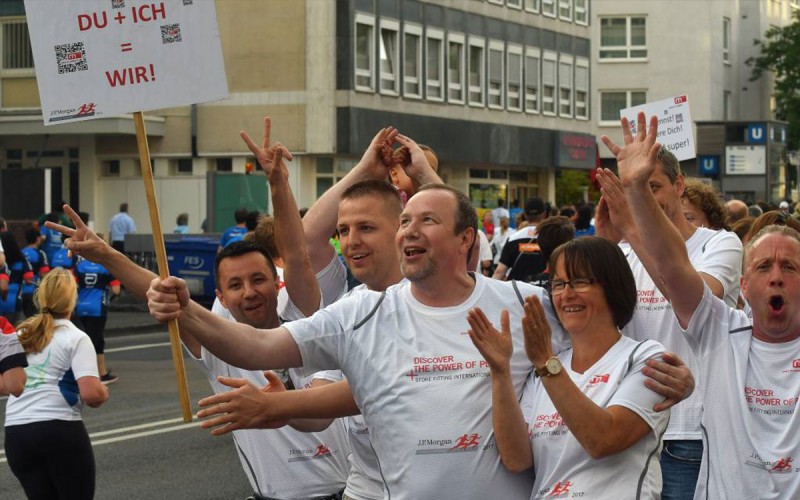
(743, 286)
(393, 175)
(219, 296)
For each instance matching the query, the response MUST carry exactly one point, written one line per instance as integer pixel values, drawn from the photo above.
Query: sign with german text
(674, 124)
(103, 58)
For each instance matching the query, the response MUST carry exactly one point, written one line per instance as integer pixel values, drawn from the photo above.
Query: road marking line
(146, 433)
(135, 347)
(136, 427)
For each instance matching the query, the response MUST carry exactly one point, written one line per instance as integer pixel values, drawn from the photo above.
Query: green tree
(570, 185)
(780, 55)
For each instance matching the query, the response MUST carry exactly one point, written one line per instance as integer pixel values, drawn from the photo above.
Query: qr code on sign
(71, 57)
(679, 118)
(171, 33)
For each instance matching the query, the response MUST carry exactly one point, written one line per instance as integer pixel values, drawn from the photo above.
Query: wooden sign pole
(161, 257)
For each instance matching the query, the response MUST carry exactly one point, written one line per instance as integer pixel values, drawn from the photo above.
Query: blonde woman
(47, 446)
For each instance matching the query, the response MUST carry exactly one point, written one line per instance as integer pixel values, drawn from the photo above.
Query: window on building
(532, 61)
(582, 12)
(565, 86)
(412, 61)
(549, 66)
(111, 167)
(623, 38)
(514, 4)
(532, 5)
(496, 74)
(476, 71)
(224, 164)
(389, 57)
(183, 166)
(582, 88)
(565, 10)
(329, 172)
(455, 68)
(434, 65)
(549, 8)
(498, 2)
(514, 78)
(612, 102)
(365, 52)
(17, 54)
(726, 39)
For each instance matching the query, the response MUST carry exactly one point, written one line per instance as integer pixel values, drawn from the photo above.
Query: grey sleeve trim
(371, 313)
(516, 290)
(630, 357)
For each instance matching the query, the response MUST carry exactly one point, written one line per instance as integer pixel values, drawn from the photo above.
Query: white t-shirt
(12, 354)
(498, 241)
(716, 253)
(285, 463)
(422, 386)
(51, 392)
(750, 391)
(364, 481)
(562, 465)
(484, 250)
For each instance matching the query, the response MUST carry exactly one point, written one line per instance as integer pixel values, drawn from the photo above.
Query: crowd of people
(627, 350)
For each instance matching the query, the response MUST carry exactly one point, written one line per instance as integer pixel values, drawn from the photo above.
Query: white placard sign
(674, 124)
(102, 58)
(746, 160)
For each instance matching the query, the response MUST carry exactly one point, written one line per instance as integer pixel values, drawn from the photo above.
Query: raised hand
(637, 158)
(377, 158)
(538, 343)
(495, 347)
(81, 240)
(265, 154)
(245, 407)
(616, 204)
(418, 167)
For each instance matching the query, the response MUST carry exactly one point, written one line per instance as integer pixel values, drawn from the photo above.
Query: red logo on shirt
(322, 451)
(598, 379)
(796, 363)
(783, 465)
(466, 442)
(560, 489)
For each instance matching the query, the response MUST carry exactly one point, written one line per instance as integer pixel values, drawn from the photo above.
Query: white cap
(783, 205)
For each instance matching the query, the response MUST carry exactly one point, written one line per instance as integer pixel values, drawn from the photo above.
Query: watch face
(553, 366)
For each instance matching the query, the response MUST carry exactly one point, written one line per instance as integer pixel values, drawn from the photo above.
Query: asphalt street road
(142, 447)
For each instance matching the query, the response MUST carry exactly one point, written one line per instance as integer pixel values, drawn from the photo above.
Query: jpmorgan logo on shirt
(467, 442)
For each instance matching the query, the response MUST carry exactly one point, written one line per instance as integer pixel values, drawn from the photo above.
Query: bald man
(737, 210)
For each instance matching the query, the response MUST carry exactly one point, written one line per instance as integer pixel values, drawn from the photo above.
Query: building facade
(648, 51)
(500, 89)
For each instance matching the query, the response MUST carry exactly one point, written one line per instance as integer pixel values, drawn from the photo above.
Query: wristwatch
(551, 367)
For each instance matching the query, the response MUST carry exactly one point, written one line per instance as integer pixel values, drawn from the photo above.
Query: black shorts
(52, 459)
(94, 326)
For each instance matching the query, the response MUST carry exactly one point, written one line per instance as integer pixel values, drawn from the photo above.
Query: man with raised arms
(717, 256)
(748, 367)
(283, 464)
